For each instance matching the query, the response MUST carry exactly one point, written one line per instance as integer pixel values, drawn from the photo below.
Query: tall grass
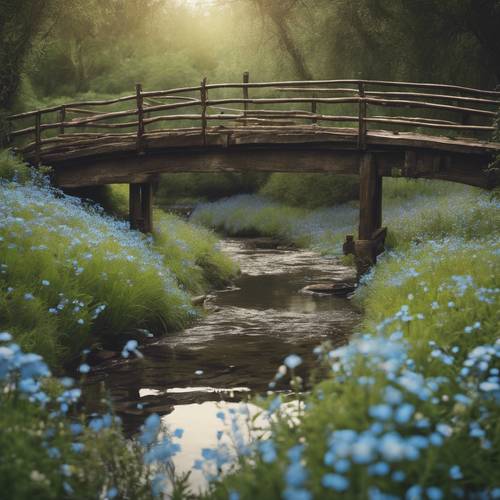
(71, 276)
(410, 408)
(411, 210)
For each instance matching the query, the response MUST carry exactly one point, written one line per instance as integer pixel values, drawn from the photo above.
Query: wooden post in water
(203, 98)
(140, 118)
(141, 207)
(135, 206)
(246, 79)
(371, 235)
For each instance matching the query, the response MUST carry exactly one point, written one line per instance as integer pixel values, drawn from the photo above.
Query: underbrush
(412, 211)
(174, 188)
(71, 276)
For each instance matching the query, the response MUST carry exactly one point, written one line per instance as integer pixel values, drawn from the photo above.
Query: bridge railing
(449, 109)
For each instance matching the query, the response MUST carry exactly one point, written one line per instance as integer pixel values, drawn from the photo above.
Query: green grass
(72, 277)
(412, 211)
(451, 292)
(27, 471)
(429, 331)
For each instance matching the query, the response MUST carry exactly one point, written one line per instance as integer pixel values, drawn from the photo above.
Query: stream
(234, 350)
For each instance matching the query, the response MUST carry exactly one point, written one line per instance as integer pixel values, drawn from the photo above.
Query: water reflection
(237, 347)
(201, 426)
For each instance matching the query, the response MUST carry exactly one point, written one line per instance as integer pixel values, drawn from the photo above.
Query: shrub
(193, 186)
(311, 190)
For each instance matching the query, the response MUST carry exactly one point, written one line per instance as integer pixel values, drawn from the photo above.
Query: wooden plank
(428, 105)
(421, 122)
(126, 169)
(404, 95)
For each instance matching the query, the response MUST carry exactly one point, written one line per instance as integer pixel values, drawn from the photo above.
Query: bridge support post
(141, 207)
(371, 235)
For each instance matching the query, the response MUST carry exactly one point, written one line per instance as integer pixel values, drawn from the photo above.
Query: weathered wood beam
(126, 168)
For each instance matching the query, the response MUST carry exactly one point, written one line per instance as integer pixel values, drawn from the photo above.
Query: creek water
(234, 350)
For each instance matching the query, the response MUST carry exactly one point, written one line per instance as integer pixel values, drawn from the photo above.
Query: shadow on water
(235, 349)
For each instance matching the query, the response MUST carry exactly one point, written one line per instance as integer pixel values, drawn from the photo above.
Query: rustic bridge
(429, 131)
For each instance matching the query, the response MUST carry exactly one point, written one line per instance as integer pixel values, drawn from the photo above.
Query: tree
(20, 22)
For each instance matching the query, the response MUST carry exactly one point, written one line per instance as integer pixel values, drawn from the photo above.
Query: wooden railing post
(361, 116)
(314, 109)
(140, 118)
(203, 98)
(62, 119)
(246, 79)
(38, 137)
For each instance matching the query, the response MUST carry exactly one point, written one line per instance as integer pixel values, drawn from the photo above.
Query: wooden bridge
(425, 130)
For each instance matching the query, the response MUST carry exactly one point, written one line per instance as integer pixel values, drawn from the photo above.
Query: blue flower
(76, 429)
(295, 452)
(296, 494)
(379, 469)
(342, 465)
(150, 429)
(267, 451)
(112, 493)
(5, 337)
(296, 475)
(380, 412)
(335, 482)
(84, 368)
(292, 361)
(455, 472)
(434, 493)
(414, 493)
(77, 447)
(404, 413)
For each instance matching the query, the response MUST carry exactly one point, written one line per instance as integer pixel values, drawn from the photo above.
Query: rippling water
(236, 348)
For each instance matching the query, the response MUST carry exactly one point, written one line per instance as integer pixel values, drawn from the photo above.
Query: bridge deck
(68, 147)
